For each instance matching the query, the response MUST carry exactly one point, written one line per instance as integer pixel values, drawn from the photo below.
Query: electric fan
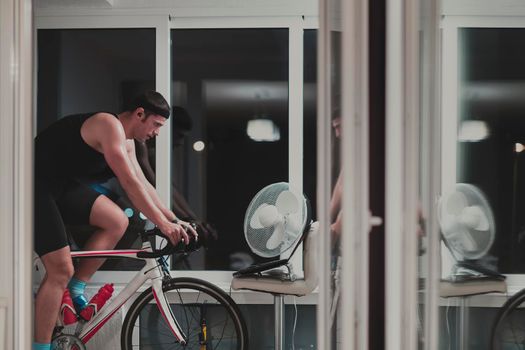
(276, 219)
(468, 229)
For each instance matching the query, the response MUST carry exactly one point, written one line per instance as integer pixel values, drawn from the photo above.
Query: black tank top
(61, 153)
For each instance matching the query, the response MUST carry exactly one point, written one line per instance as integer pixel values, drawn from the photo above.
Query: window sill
(515, 283)
(241, 297)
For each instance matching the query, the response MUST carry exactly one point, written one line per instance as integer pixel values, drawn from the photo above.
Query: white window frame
(161, 25)
(350, 18)
(295, 26)
(92, 19)
(450, 107)
(16, 180)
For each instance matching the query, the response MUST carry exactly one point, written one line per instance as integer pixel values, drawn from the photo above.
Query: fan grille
(258, 237)
(455, 240)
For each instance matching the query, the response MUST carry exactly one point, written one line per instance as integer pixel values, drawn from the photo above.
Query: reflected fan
(468, 228)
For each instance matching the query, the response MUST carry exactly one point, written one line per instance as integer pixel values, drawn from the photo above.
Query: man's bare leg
(112, 223)
(59, 269)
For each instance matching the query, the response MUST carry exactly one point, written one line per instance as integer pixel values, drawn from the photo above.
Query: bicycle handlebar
(169, 249)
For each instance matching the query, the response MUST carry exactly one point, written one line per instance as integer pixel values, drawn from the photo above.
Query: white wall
(483, 7)
(15, 173)
(180, 8)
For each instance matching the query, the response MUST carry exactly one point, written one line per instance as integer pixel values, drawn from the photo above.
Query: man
(69, 152)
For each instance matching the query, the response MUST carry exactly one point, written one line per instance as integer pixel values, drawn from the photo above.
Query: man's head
(152, 110)
(182, 124)
(336, 122)
(152, 102)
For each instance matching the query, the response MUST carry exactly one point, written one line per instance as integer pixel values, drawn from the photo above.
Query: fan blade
(474, 217)
(269, 215)
(293, 224)
(463, 242)
(287, 203)
(254, 221)
(276, 238)
(455, 203)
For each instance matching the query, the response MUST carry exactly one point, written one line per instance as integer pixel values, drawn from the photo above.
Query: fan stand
(278, 307)
(463, 290)
(468, 279)
(279, 287)
(470, 270)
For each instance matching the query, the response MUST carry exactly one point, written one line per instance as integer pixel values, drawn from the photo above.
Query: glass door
(413, 169)
(343, 175)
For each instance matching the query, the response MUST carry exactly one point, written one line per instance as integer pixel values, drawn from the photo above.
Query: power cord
(448, 324)
(294, 322)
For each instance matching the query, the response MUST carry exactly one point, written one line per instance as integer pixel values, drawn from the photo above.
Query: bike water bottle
(97, 301)
(67, 315)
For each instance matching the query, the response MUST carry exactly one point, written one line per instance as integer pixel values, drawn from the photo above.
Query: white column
(355, 162)
(163, 85)
(402, 181)
(295, 120)
(323, 173)
(16, 146)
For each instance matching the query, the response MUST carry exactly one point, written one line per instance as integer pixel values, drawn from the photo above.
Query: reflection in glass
(335, 213)
(310, 117)
(429, 121)
(490, 126)
(234, 85)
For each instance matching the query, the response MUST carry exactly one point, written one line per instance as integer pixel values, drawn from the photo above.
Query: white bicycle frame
(151, 271)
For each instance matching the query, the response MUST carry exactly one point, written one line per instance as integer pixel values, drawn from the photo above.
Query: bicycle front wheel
(508, 330)
(209, 318)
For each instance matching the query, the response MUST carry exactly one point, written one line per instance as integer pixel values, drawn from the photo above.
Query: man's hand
(189, 228)
(175, 232)
(208, 234)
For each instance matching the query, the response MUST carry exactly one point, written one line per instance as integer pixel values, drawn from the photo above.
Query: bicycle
(508, 330)
(196, 314)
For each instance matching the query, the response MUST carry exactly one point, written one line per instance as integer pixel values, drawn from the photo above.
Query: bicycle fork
(163, 304)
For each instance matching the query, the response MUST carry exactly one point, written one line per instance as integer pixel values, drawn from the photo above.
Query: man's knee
(120, 224)
(60, 273)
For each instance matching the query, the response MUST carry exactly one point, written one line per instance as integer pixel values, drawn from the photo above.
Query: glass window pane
(228, 80)
(491, 132)
(336, 186)
(310, 117)
(90, 70)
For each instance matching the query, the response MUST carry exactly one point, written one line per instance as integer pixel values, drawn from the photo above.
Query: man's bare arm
(149, 187)
(141, 152)
(111, 138)
(153, 192)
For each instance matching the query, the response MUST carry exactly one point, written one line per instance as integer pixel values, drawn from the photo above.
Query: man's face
(336, 124)
(149, 127)
(178, 137)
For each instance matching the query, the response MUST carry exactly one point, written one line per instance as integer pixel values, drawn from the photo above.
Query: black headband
(142, 102)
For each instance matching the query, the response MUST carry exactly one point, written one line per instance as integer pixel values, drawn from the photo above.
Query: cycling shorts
(57, 205)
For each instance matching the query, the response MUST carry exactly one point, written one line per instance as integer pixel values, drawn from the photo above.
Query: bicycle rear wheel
(508, 330)
(209, 318)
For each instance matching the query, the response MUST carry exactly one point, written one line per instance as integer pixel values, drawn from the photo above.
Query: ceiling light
(199, 146)
(263, 130)
(473, 131)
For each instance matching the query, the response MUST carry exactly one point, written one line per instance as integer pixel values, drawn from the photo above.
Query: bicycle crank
(68, 342)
